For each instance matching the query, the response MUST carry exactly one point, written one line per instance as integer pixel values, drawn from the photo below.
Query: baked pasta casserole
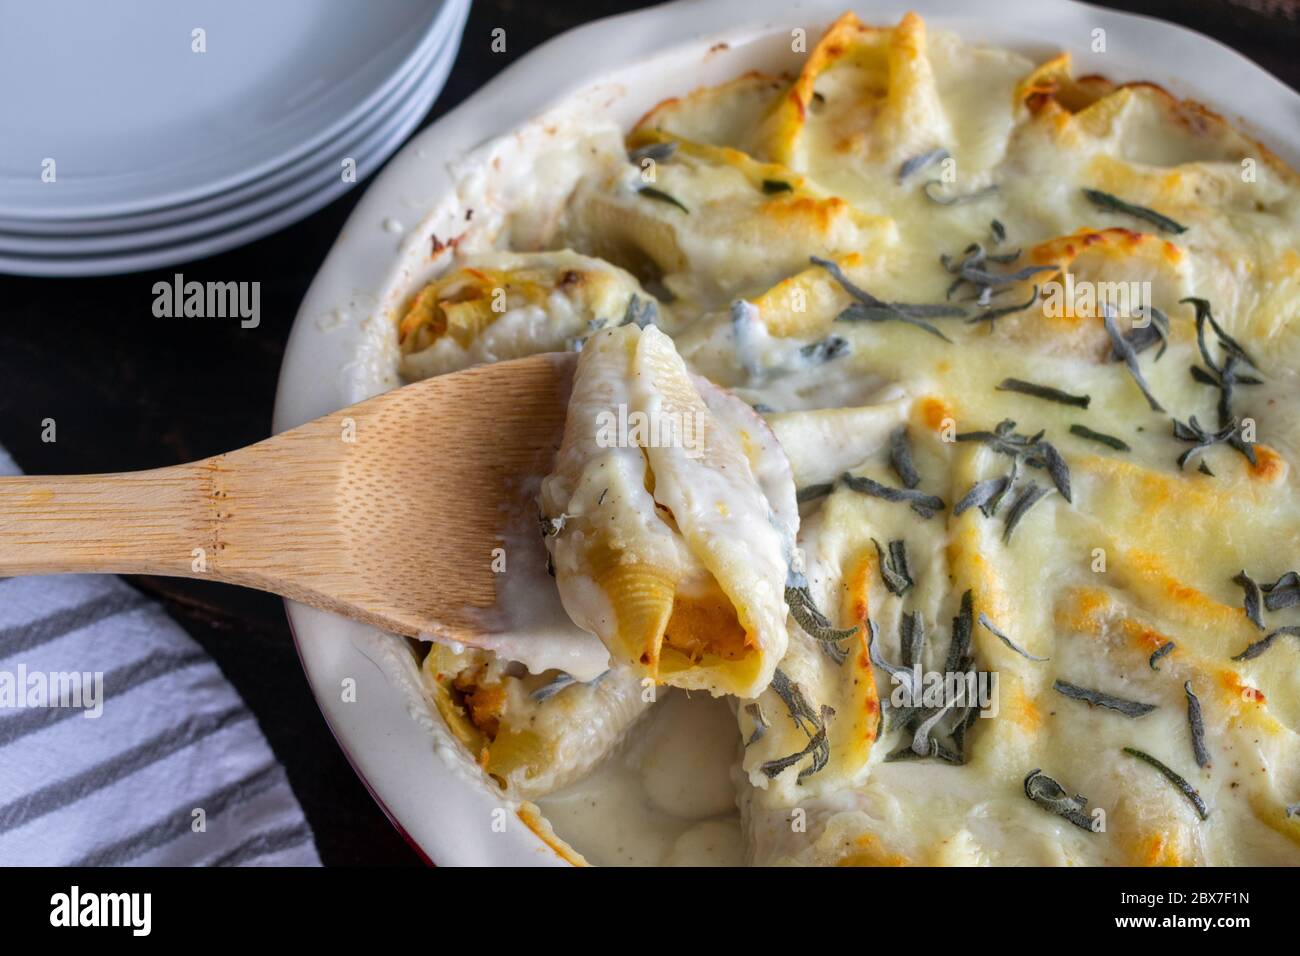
(976, 538)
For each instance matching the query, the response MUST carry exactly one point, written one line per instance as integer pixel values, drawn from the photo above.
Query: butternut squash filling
(465, 303)
(482, 703)
(705, 622)
(501, 750)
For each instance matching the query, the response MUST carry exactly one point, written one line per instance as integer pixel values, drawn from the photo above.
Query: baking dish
(342, 349)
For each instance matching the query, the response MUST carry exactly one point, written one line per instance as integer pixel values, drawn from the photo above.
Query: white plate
(279, 189)
(618, 68)
(134, 119)
(283, 214)
(170, 215)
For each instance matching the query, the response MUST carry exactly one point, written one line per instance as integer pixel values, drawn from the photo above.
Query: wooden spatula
(387, 511)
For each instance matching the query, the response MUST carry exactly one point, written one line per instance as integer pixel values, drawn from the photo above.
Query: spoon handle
(260, 517)
(147, 522)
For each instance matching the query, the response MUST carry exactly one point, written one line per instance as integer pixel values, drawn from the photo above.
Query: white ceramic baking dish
(342, 346)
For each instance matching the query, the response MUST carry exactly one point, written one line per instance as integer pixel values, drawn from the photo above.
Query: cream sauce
(529, 624)
(666, 798)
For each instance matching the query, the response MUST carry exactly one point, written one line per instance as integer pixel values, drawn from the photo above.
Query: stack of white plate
(137, 135)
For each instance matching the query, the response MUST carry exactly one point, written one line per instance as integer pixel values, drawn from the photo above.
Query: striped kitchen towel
(121, 743)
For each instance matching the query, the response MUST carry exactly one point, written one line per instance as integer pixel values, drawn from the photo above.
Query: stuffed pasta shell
(666, 546)
(531, 733)
(505, 305)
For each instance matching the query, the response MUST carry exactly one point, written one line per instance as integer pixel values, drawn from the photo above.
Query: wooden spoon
(387, 511)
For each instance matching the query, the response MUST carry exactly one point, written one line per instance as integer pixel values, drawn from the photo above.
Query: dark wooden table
(130, 391)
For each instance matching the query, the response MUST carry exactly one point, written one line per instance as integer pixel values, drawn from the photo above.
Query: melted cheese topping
(718, 202)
